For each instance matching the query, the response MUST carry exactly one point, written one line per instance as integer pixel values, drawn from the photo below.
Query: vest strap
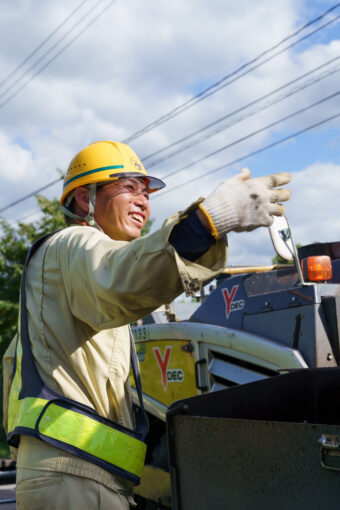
(35, 410)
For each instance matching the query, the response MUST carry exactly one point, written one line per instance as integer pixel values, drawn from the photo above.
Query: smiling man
(130, 216)
(67, 404)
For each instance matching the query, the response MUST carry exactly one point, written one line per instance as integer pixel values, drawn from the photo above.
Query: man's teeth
(137, 217)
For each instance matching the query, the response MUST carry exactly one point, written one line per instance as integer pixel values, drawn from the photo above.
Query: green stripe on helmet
(92, 172)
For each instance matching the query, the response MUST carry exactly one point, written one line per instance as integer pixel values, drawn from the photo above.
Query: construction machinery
(242, 393)
(228, 377)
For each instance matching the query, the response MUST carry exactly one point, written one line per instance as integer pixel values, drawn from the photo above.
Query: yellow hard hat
(106, 161)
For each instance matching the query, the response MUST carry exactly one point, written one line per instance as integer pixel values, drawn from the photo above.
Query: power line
(27, 215)
(26, 59)
(2, 94)
(222, 167)
(253, 133)
(194, 97)
(253, 153)
(57, 54)
(32, 194)
(212, 89)
(295, 90)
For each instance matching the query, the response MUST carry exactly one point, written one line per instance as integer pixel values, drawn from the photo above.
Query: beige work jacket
(83, 289)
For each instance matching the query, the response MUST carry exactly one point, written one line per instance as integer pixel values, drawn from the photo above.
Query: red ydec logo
(231, 305)
(163, 362)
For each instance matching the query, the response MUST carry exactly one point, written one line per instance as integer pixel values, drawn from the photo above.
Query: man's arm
(240, 204)
(112, 283)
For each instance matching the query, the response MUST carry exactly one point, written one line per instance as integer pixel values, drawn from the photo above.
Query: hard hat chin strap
(89, 218)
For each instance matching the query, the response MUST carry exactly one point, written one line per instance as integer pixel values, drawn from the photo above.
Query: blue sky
(320, 146)
(116, 78)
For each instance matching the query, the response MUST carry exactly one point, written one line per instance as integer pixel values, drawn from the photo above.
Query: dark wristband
(190, 238)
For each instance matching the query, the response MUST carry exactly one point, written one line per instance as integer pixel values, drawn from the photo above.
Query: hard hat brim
(153, 184)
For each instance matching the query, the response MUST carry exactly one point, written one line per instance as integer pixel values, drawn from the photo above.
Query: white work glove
(243, 204)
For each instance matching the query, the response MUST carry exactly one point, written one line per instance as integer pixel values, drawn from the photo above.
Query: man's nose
(141, 200)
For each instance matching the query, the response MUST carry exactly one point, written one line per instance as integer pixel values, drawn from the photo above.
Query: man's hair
(69, 221)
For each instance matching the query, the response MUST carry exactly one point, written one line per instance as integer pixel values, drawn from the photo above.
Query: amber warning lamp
(316, 268)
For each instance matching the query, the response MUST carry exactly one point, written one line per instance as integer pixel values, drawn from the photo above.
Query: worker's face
(122, 208)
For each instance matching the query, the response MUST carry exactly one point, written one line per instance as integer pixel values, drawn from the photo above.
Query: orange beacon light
(317, 268)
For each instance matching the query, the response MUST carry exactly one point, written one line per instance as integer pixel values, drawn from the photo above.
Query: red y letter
(229, 298)
(163, 362)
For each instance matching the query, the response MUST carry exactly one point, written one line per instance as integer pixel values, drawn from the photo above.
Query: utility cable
(197, 96)
(48, 38)
(253, 133)
(71, 41)
(32, 194)
(253, 153)
(246, 115)
(48, 185)
(223, 82)
(222, 167)
(57, 43)
(27, 215)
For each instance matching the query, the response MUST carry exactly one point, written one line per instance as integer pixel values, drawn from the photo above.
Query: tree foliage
(279, 260)
(14, 244)
(146, 228)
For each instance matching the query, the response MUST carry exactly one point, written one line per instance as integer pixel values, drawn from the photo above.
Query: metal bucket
(272, 444)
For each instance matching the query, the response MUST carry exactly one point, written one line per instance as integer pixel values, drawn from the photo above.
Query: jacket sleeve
(112, 283)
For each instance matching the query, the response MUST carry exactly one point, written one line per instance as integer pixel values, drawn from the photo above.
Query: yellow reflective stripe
(213, 229)
(94, 437)
(72, 428)
(24, 413)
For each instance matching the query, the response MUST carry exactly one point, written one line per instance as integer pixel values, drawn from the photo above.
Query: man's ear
(81, 197)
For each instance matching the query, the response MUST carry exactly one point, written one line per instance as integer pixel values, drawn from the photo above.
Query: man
(66, 390)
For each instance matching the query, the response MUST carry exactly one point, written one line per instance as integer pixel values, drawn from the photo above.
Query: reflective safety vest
(35, 410)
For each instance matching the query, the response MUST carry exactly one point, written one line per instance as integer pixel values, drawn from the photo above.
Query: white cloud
(314, 209)
(135, 64)
(17, 163)
(313, 213)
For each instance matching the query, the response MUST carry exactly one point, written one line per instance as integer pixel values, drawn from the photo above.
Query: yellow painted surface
(155, 485)
(167, 371)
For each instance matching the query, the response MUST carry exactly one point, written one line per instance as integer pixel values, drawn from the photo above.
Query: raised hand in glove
(243, 204)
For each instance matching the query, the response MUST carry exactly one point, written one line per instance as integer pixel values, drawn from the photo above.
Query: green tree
(147, 227)
(14, 244)
(279, 260)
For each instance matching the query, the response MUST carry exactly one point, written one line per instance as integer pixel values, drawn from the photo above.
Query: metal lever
(198, 363)
(329, 443)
